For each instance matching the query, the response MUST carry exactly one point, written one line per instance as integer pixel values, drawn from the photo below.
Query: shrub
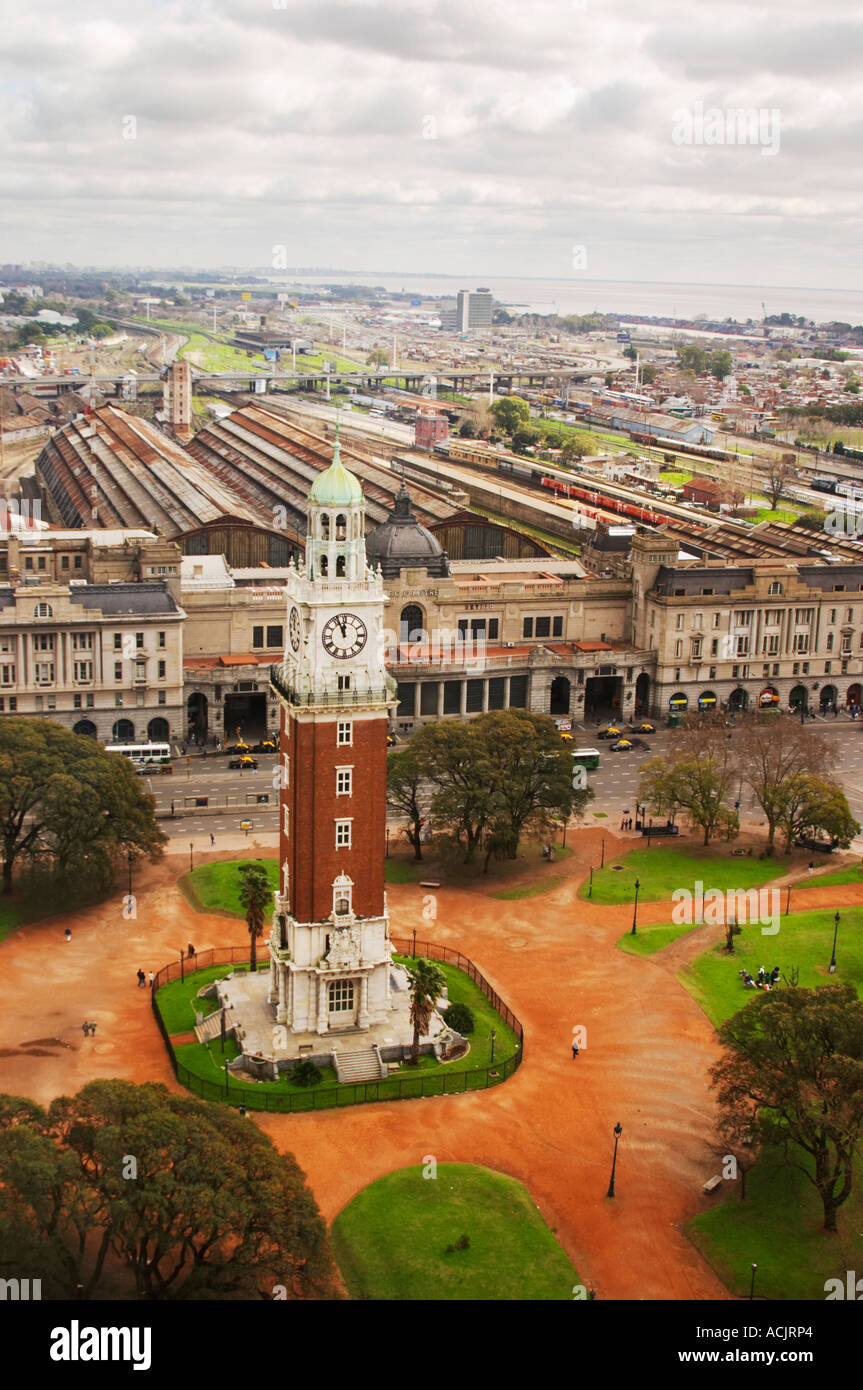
(305, 1073)
(461, 1018)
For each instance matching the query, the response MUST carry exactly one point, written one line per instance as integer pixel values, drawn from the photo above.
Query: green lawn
(10, 918)
(674, 478)
(648, 940)
(661, 871)
(177, 1003)
(221, 357)
(853, 874)
(390, 1241)
(778, 1228)
(804, 940)
(216, 887)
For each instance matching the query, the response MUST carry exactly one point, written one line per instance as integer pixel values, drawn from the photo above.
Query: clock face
(344, 635)
(294, 629)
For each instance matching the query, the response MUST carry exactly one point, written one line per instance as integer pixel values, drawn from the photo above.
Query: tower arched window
(340, 567)
(341, 527)
(324, 566)
(325, 526)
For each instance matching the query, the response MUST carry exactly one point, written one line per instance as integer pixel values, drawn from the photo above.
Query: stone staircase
(210, 1028)
(360, 1064)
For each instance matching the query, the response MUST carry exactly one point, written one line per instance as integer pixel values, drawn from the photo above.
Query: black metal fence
(266, 1096)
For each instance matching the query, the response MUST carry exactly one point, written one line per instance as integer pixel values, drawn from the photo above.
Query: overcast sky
(481, 137)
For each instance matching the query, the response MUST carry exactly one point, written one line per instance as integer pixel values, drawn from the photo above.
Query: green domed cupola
(335, 524)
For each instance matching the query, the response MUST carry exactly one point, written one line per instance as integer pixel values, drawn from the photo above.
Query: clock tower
(329, 946)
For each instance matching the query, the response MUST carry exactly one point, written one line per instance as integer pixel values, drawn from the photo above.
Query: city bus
(154, 755)
(586, 757)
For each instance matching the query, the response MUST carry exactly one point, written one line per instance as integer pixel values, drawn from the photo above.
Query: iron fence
(265, 1096)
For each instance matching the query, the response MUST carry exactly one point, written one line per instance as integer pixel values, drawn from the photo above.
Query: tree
(378, 358)
(778, 470)
(578, 446)
(255, 895)
(210, 1210)
(531, 777)
(649, 375)
(404, 783)
(794, 1061)
(457, 765)
(769, 752)
(467, 429)
(511, 413)
(68, 804)
(427, 983)
(522, 440)
(720, 363)
(810, 803)
(631, 353)
(695, 776)
(691, 358)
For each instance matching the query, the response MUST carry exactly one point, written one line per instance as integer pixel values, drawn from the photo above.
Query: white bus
(154, 755)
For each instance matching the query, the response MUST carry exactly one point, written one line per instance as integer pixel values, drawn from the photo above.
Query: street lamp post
(635, 908)
(415, 944)
(590, 889)
(191, 856)
(129, 858)
(832, 967)
(618, 1130)
(493, 1036)
(752, 1283)
(182, 966)
(602, 860)
(788, 901)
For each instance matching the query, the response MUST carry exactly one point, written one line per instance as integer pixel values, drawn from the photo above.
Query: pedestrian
(242, 1109)
(623, 822)
(190, 951)
(150, 978)
(85, 1028)
(183, 749)
(203, 752)
(142, 979)
(68, 933)
(574, 1048)
(811, 866)
(92, 1030)
(212, 839)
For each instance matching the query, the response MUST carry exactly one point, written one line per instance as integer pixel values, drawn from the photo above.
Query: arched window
(340, 567)
(43, 610)
(324, 566)
(341, 527)
(411, 624)
(85, 727)
(325, 526)
(123, 731)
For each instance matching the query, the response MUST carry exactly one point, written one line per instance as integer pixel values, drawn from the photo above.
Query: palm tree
(255, 894)
(427, 983)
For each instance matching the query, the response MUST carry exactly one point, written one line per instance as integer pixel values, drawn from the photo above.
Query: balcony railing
(342, 698)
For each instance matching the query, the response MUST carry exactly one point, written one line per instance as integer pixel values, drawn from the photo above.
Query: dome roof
(336, 486)
(402, 543)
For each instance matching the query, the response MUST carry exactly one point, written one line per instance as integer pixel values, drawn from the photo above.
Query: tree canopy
(511, 413)
(190, 1198)
(494, 779)
(696, 777)
(68, 805)
(793, 1069)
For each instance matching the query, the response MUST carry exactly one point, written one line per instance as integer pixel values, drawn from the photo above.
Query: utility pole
(491, 387)
(394, 352)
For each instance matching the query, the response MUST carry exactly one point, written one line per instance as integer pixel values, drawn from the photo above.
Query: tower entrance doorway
(342, 1004)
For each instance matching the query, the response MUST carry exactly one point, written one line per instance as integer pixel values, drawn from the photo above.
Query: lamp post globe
(617, 1131)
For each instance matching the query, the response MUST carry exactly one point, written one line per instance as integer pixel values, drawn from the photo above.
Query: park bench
(712, 1183)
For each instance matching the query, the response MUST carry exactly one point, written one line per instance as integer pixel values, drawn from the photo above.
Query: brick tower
(329, 946)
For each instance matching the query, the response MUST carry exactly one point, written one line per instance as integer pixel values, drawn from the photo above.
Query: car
(623, 745)
(244, 762)
(567, 738)
(645, 728)
(611, 732)
(266, 745)
(241, 747)
(391, 740)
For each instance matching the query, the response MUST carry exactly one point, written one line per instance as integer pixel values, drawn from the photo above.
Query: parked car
(244, 762)
(241, 747)
(611, 732)
(391, 740)
(266, 745)
(645, 728)
(622, 745)
(567, 738)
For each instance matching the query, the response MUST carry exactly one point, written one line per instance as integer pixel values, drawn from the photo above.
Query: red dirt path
(551, 957)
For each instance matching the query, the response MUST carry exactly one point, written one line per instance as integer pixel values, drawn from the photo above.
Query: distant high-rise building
(470, 309)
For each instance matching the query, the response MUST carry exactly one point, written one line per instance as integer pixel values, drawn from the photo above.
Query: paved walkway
(552, 957)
